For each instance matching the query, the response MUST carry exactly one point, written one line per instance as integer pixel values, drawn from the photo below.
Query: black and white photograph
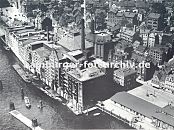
(87, 64)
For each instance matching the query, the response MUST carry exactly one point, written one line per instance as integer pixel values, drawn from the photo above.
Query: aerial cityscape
(86, 64)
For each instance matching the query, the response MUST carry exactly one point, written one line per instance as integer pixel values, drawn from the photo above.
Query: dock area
(90, 110)
(24, 120)
(20, 71)
(125, 116)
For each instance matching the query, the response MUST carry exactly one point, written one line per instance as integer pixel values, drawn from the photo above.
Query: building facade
(125, 77)
(154, 21)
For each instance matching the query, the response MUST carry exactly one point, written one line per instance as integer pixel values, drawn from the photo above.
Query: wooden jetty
(24, 120)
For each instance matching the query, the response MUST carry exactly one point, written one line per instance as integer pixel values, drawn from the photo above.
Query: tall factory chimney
(92, 26)
(82, 34)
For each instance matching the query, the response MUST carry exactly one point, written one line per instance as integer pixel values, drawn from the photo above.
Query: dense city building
(155, 21)
(83, 86)
(81, 52)
(125, 77)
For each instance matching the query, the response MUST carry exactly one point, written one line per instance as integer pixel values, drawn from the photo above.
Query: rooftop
(164, 116)
(141, 48)
(20, 28)
(122, 45)
(161, 75)
(169, 109)
(144, 30)
(113, 10)
(129, 32)
(86, 74)
(30, 40)
(142, 4)
(127, 3)
(103, 38)
(154, 15)
(135, 103)
(157, 49)
(43, 52)
(73, 42)
(18, 32)
(124, 72)
(115, 28)
(129, 14)
(138, 58)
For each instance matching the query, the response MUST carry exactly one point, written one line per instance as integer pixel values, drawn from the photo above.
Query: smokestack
(82, 34)
(92, 26)
(48, 37)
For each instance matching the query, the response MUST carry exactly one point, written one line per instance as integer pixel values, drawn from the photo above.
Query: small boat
(96, 114)
(35, 78)
(58, 98)
(27, 102)
(7, 48)
(27, 80)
